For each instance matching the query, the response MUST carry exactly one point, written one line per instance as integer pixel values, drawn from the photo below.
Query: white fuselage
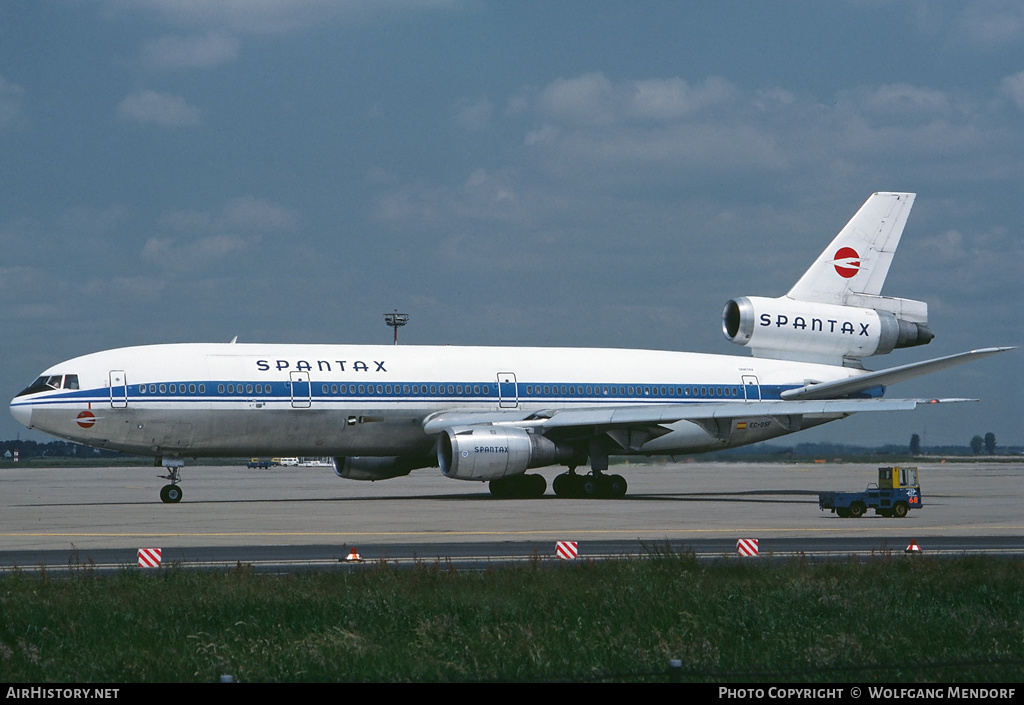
(344, 400)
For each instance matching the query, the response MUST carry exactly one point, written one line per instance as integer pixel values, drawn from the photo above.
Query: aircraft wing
(608, 417)
(813, 399)
(843, 387)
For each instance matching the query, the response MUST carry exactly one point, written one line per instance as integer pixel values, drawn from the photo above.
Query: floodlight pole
(396, 320)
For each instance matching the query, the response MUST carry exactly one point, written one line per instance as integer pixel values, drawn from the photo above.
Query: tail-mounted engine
(493, 452)
(815, 332)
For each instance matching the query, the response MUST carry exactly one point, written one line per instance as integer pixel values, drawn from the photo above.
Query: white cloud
(244, 213)
(985, 25)
(268, 17)
(595, 100)
(992, 23)
(11, 97)
(668, 99)
(1013, 88)
(158, 108)
(257, 214)
(201, 51)
(192, 255)
(202, 237)
(905, 101)
(474, 115)
(587, 99)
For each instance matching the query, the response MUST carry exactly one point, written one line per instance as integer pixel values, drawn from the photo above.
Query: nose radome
(22, 413)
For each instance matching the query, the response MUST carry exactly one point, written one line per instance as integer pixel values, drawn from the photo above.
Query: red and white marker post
(567, 550)
(747, 548)
(149, 557)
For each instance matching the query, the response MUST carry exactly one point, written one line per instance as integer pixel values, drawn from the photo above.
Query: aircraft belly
(262, 431)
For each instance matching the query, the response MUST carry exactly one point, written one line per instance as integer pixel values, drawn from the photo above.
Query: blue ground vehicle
(896, 493)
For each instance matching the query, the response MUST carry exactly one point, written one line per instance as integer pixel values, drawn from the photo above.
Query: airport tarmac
(308, 515)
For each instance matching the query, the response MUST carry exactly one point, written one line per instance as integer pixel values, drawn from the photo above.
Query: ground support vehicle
(895, 494)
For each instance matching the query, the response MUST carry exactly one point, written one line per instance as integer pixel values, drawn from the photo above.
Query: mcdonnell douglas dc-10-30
(492, 413)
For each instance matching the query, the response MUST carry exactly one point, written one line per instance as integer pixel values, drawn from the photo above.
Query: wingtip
(993, 351)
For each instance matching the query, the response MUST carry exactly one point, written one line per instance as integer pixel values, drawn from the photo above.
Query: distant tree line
(53, 449)
(988, 443)
(977, 444)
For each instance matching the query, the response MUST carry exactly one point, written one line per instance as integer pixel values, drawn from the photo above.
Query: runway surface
(291, 518)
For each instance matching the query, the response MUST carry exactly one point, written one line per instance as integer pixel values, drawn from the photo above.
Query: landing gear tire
(563, 485)
(170, 494)
(615, 487)
(569, 485)
(519, 487)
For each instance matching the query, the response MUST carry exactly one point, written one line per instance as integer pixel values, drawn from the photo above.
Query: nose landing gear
(171, 494)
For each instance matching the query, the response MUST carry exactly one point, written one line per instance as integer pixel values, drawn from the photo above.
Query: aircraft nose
(22, 413)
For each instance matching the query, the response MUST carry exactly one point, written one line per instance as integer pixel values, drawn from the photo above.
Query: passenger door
(118, 389)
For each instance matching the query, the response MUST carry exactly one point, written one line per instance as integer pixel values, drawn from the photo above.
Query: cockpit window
(70, 381)
(45, 383)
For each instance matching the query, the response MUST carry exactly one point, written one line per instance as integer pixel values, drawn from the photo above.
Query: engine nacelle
(377, 468)
(493, 452)
(802, 330)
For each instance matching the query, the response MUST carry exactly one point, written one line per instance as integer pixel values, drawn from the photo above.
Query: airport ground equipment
(895, 494)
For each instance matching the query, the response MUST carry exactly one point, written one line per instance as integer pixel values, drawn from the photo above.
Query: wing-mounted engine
(494, 452)
(807, 331)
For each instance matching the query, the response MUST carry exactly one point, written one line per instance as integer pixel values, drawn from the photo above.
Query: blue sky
(513, 173)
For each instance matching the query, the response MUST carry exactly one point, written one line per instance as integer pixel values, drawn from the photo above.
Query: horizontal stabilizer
(854, 385)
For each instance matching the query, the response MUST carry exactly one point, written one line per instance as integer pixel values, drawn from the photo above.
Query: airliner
(490, 414)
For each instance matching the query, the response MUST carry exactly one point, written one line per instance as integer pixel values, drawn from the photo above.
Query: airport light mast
(396, 320)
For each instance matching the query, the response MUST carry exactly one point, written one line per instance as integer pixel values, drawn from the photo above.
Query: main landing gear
(595, 485)
(171, 494)
(568, 485)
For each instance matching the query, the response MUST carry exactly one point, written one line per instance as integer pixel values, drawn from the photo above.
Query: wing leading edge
(631, 416)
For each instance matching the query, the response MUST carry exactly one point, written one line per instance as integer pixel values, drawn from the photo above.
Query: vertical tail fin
(858, 259)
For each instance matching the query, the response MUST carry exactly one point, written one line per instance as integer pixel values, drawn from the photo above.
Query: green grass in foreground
(896, 619)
